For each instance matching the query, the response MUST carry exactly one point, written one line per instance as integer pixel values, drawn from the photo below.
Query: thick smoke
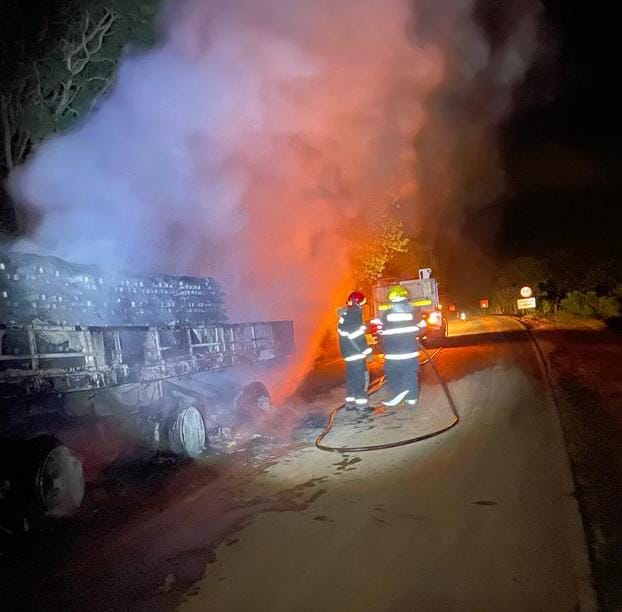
(250, 142)
(488, 46)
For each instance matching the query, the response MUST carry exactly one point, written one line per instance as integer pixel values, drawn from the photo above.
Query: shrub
(608, 307)
(590, 305)
(546, 307)
(577, 303)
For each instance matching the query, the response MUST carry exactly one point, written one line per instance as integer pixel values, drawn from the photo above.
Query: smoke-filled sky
(251, 141)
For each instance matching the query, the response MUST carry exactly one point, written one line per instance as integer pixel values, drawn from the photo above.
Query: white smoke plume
(252, 139)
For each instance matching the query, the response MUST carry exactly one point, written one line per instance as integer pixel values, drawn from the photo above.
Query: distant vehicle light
(463, 316)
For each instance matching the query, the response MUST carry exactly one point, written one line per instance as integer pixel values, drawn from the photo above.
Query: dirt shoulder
(586, 365)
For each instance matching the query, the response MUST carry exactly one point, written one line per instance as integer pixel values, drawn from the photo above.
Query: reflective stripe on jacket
(351, 330)
(399, 331)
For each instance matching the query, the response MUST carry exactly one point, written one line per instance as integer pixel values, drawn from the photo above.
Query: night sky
(561, 149)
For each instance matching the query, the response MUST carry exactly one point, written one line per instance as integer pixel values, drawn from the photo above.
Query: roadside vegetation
(565, 289)
(382, 247)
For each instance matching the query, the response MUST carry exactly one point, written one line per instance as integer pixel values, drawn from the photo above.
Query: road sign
(483, 303)
(526, 303)
(526, 292)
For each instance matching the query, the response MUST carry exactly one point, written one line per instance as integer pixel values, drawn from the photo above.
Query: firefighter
(399, 331)
(354, 350)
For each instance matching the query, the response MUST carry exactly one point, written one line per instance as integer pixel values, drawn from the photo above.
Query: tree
(561, 281)
(418, 254)
(504, 297)
(377, 245)
(566, 273)
(61, 81)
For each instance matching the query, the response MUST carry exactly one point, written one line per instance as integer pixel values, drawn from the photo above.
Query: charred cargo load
(92, 361)
(49, 290)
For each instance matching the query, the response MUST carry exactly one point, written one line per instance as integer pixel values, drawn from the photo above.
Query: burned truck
(93, 361)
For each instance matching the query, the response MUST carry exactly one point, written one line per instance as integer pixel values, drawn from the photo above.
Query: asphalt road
(483, 517)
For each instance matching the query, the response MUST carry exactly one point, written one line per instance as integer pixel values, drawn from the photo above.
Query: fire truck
(423, 293)
(93, 363)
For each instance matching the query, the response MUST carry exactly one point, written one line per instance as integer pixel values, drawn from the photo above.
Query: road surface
(483, 517)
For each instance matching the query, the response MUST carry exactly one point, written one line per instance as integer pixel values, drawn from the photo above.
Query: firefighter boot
(361, 404)
(350, 403)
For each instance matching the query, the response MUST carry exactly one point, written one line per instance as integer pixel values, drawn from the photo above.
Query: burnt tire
(254, 398)
(49, 478)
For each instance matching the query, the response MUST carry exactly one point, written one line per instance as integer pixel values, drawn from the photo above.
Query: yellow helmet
(397, 292)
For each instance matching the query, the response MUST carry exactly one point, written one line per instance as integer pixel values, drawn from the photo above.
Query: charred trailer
(92, 364)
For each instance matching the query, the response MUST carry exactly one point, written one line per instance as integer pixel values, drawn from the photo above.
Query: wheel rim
(188, 433)
(60, 482)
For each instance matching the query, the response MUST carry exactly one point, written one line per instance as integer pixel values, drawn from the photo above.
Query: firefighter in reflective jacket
(354, 350)
(399, 331)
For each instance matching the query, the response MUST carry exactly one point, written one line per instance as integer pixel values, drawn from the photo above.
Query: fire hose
(377, 385)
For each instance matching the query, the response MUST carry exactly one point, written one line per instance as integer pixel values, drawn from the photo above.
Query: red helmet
(356, 297)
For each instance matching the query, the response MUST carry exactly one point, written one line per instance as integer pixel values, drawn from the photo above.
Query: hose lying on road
(376, 386)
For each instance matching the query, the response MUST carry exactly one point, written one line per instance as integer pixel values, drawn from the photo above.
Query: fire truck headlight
(434, 318)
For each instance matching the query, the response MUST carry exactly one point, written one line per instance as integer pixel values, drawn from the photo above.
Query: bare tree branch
(22, 145)
(38, 87)
(8, 133)
(75, 73)
(96, 35)
(78, 55)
